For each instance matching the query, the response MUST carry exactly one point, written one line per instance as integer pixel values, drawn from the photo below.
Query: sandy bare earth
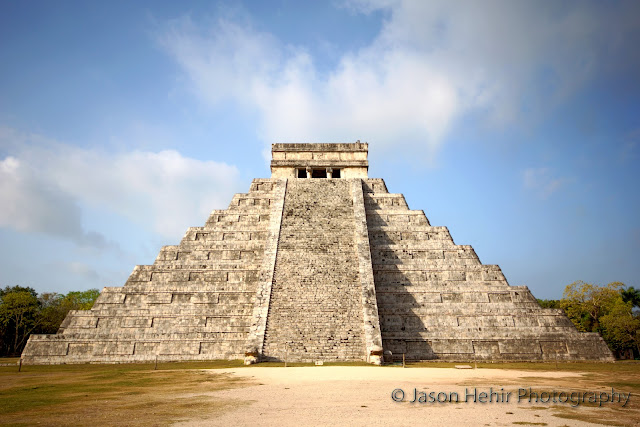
(361, 395)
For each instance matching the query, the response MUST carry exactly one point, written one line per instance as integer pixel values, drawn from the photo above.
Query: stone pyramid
(317, 263)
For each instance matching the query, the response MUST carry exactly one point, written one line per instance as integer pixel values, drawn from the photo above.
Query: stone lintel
(321, 163)
(357, 146)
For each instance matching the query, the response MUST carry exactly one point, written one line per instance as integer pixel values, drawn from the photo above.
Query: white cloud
(389, 94)
(31, 202)
(542, 182)
(44, 185)
(431, 63)
(80, 269)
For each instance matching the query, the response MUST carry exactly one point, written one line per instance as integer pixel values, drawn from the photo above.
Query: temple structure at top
(320, 160)
(317, 263)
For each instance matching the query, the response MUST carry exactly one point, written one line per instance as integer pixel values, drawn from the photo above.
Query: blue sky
(515, 124)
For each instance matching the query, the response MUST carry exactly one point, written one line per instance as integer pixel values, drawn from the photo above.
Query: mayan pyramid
(317, 263)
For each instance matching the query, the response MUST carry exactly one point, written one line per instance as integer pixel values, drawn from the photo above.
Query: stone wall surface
(194, 303)
(436, 300)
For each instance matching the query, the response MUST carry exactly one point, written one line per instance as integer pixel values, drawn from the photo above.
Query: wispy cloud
(45, 184)
(31, 202)
(392, 94)
(431, 63)
(542, 182)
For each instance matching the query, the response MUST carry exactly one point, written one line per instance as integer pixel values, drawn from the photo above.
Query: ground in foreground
(226, 393)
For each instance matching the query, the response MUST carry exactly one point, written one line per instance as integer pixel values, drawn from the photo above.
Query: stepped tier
(437, 301)
(194, 303)
(330, 267)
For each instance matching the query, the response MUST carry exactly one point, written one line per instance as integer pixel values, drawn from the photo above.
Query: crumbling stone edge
(255, 340)
(373, 338)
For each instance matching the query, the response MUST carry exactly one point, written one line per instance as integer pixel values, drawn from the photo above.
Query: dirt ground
(361, 395)
(227, 393)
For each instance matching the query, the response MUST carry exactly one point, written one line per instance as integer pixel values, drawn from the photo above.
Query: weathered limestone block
(117, 348)
(159, 298)
(82, 321)
(37, 347)
(519, 346)
(111, 296)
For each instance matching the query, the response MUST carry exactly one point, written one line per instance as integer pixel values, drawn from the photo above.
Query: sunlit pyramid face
(317, 263)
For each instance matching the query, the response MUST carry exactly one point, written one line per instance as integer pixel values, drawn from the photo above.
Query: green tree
(585, 303)
(632, 295)
(51, 313)
(620, 328)
(23, 312)
(7, 328)
(54, 307)
(81, 300)
(549, 303)
(607, 310)
(18, 315)
(18, 288)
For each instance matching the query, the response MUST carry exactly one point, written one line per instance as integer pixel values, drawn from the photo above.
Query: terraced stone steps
(316, 311)
(194, 303)
(437, 301)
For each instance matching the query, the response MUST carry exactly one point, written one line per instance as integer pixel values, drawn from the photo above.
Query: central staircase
(315, 310)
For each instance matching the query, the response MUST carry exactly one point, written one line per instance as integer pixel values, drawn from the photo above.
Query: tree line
(612, 310)
(24, 312)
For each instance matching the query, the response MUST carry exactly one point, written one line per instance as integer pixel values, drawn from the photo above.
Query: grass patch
(633, 386)
(610, 419)
(131, 394)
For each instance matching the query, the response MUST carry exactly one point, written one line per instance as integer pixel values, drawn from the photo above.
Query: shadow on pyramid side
(318, 263)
